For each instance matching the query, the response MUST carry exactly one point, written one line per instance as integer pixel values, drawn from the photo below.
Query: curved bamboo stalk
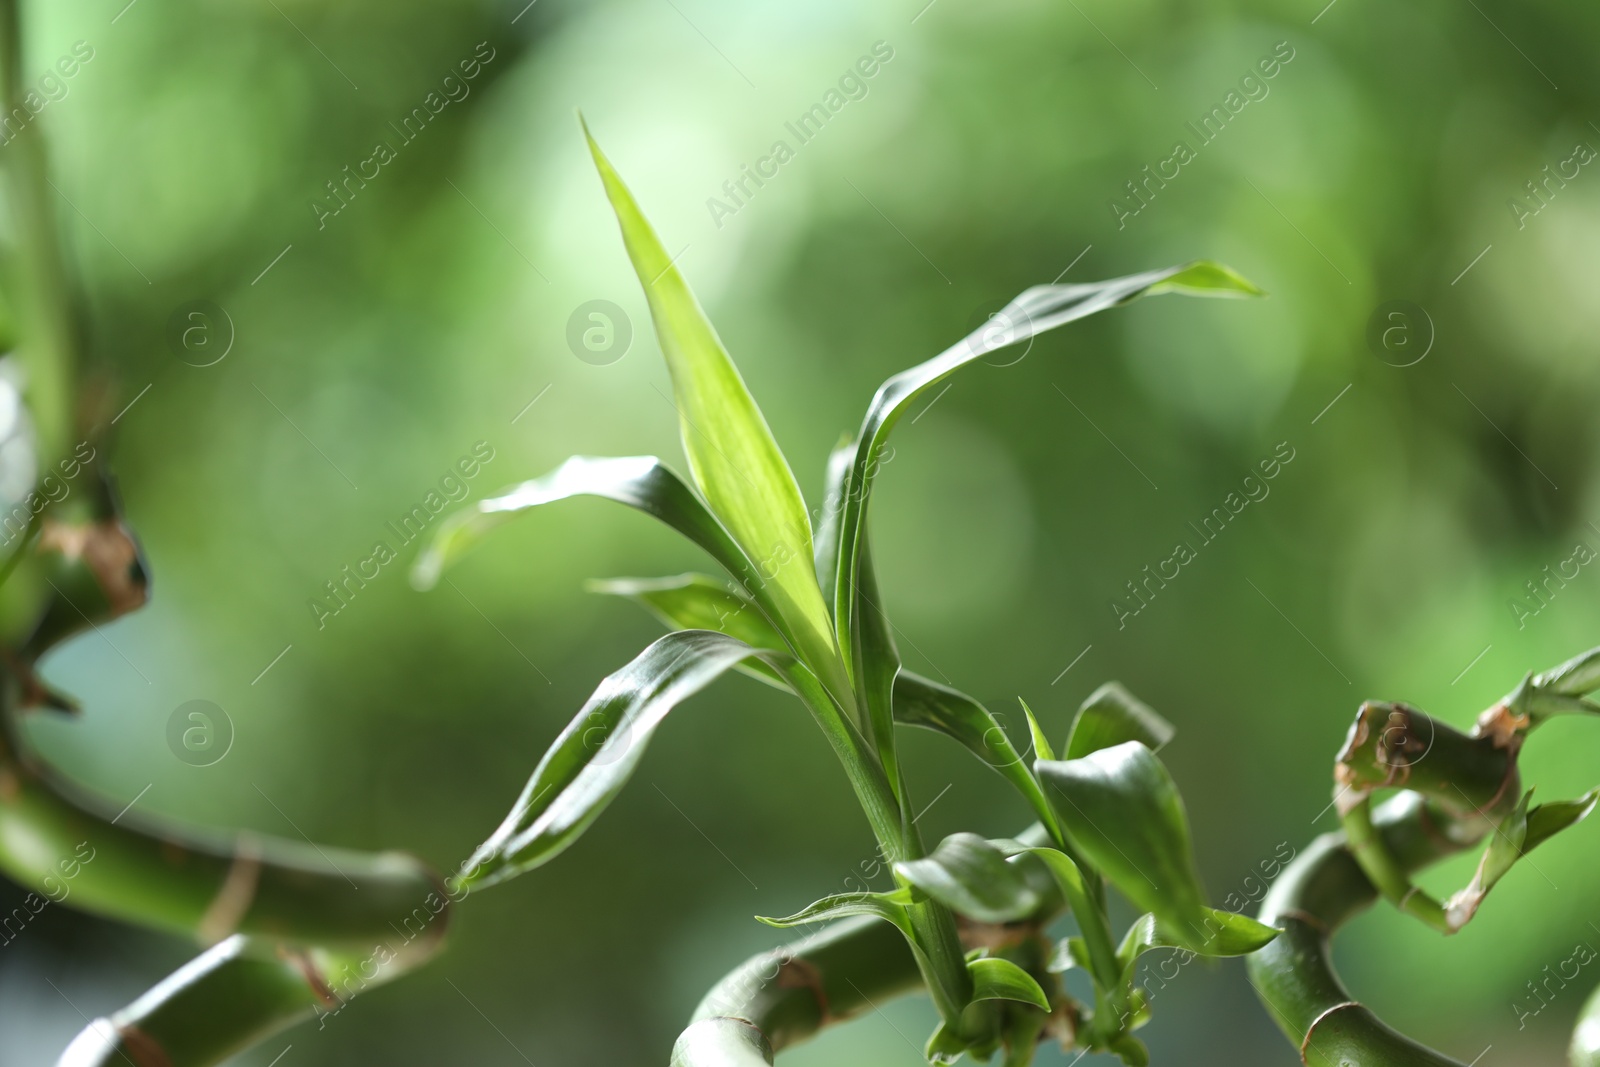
(1315, 895)
(234, 995)
(783, 997)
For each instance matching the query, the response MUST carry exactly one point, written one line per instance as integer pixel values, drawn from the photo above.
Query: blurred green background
(428, 313)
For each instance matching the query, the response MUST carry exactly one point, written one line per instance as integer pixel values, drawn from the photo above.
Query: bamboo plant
(291, 932)
(801, 609)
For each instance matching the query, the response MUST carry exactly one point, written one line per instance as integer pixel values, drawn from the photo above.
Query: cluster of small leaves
(800, 609)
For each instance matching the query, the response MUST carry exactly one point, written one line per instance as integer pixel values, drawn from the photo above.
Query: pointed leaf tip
(1208, 278)
(733, 458)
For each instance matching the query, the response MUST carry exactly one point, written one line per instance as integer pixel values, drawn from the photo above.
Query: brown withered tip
(1502, 726)
(108, 549)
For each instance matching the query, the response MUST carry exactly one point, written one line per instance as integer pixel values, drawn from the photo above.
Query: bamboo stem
(781, 998)
(1323, 888)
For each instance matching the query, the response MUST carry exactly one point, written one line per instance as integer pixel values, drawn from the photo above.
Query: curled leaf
(973, 878)
(1111, 716)
(1119, 806)
(998, 979)
(888, 906)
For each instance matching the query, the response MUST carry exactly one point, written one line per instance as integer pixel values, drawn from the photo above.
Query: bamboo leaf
(1225, 934)
(1119, 806)
(1547, 820)
(594, 756)
(1111, 716)
(919, 701)
(732, 455)
(1518, 834)
(1035, 311)
(944, 1046)
(997, 979)
(888, 906)
(1041, 743)
(641, 482)
(1578, 676)
(973, 878)
(836, 482)
(700, 602)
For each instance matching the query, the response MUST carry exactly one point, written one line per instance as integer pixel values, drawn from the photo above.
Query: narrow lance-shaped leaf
(732, 455)
(890, 907)
(1035, 311)
(919, 701)
(1224, 934)
(1113, 715)
(1041, 744)
(1121, 808)
(700, 602)
(1577, 677)
(589, 763)
(641, 482)
(836, 482)
(973, 878)
(1518, 834)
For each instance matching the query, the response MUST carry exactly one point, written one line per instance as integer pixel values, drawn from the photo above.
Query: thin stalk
(938, 945)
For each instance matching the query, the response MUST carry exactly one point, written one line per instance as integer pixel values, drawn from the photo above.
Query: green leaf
(1041, 744)
(700, 602)
(1518, 834)
(732, 455)
(1119, 806)
(919, 701)
(1035, 311)
(972, 877)
(1207, 279)
(887, 906)
(835, 484)
(641, 482)
(1130, 1050)
(1547, 820)
(1069, 953)
(997, 979)
(1111, 716)
(1225, 934)
(592, 759)
(1578, 676)
(944, 1046)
